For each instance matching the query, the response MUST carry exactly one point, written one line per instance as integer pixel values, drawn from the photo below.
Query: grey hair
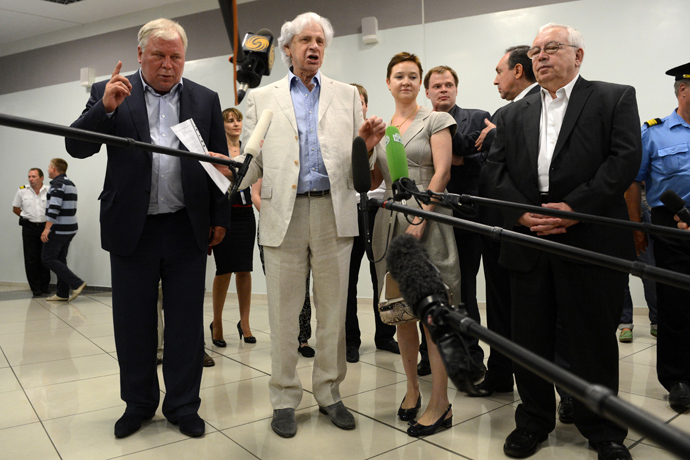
(677, 83)
(161, 28)
(296, 26)
(574, 35)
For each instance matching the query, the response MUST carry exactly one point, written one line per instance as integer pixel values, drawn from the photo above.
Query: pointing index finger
(117, 68)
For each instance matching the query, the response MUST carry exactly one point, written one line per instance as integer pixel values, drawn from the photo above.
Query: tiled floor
(59, 397)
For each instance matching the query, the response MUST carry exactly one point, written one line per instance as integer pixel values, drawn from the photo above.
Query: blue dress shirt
(166, 175)
(666, 159)
(312, 171)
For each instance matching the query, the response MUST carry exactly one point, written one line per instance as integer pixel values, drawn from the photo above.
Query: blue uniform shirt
(666, 159)
(312, 171)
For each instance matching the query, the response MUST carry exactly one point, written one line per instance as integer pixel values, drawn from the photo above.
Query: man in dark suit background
(575, 146)
(441, 85)
(514, 80)
(159, 214)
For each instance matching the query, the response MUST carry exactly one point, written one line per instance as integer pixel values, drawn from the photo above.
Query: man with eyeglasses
(575, 146)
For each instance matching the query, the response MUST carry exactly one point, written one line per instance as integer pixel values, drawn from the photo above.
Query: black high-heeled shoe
(219, 343)
(250, 339)
(418, 430)
(409, 414)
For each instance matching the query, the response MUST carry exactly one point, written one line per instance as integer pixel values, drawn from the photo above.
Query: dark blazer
(127, 186)
(596, 158)
(489, 138)
(465, 179)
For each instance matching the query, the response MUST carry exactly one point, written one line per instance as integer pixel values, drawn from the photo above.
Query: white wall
(627, 41)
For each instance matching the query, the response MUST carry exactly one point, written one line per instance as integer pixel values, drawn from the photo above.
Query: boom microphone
(675, 204)
(397, 164)
(253, 147)
(423, 290)
(361, 176)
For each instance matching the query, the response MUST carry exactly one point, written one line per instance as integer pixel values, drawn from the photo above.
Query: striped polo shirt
(62, 206)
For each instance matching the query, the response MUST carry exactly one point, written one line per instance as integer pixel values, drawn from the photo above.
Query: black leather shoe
(487, 388)
(129, 424)
(192, 425)
(424, 367)
(306, 351)
(566, 412)
(208, 361)
(352, 354)
(418, 430)
(611, 450)
(37, 293)
(409, 414)
(679, 397)
(522, 442)
(390, 345)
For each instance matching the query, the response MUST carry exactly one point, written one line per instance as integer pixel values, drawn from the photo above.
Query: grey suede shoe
(340, 416)
(284, 423)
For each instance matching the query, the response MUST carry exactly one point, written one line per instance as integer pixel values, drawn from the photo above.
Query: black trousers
(167, 251)
(54, 256)
(37, 274)
(673, 306)
(383, 332)
(588, 300)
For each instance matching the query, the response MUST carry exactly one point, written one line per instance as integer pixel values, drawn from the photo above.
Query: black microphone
(422, 288)
(675, 204)
(259, 53)
(361, 176)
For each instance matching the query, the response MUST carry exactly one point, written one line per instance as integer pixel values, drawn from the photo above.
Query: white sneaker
(56, 297)
(77, 291)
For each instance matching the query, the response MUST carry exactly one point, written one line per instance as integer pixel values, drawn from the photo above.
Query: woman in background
(426, 136)
(235, 254)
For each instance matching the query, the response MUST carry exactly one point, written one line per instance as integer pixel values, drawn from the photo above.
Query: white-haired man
(573, 147)
(159, 214)
(308, 213)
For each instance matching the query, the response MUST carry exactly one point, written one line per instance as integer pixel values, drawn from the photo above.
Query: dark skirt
(235, 254)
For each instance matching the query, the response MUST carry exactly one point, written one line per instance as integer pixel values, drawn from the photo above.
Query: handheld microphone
(259, 53)
(675, 204)
(422, 288)
(361, 176)
(253, 147)
(397, 164)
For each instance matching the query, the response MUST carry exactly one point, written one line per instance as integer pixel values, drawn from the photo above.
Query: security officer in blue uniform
(666, 166)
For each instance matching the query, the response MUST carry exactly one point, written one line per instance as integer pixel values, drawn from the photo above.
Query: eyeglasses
(549, 48)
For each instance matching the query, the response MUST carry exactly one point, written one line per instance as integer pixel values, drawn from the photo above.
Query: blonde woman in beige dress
(426, 136)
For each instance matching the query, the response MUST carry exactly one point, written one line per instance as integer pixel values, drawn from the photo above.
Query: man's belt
(315, 193)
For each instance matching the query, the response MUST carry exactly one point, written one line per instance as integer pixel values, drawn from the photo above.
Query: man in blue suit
(159, 214)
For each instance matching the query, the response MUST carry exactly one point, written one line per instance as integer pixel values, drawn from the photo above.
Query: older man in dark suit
(573, 147)
(158, 216)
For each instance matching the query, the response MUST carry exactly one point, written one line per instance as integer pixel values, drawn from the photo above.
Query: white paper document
(190, 137)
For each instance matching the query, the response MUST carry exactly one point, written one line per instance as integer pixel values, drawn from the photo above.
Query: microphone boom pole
(636, 268)
(589, 218)
(99, 138)
(597, 398)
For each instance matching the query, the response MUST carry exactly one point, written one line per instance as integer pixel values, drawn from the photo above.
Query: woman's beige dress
(438, 239)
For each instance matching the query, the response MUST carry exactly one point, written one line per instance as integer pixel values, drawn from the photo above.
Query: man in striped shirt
(61, 226)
